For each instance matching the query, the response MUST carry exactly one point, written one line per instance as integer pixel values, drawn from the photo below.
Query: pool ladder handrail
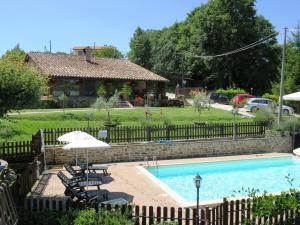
(154, 161)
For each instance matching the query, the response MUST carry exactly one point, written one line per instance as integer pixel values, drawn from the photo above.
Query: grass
(19, 127)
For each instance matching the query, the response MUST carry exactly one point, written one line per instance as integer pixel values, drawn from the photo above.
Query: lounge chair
(90, 196)
(80, 174)
(77, 182)
(91, 167)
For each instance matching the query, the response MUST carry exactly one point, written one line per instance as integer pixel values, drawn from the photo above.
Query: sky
(68, 23)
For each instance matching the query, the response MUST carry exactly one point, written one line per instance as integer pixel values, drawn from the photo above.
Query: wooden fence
(30, 175)
(21, 151)
(8, 212)
(228, 213)
(130, 134)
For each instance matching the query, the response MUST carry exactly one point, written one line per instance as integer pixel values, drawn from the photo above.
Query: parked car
(254, 104)
(241, 98)
(171, 102)
(218, 98)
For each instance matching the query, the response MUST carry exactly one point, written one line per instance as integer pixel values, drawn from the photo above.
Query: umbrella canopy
(86, 144)
(91, 144)
(75, 136)
(292, 97)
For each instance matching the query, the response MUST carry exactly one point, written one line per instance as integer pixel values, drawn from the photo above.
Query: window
(67, 87)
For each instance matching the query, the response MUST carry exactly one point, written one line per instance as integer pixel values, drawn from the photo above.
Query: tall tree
(221, 26)
(210, 29)
(107, 52)
(292, 65)
(140, 49)
(20, 85)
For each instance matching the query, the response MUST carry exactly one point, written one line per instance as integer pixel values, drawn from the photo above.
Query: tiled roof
(75, 66)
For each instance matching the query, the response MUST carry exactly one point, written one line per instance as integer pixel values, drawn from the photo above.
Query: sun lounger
(90, 196)
(91, 167)
(80, 174)
(77, 182)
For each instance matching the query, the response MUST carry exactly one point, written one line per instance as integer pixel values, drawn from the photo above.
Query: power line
(252, 45)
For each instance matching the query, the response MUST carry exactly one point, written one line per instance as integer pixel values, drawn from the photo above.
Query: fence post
(148, 130)
(225, 211)
(108, 134)
(168, 136)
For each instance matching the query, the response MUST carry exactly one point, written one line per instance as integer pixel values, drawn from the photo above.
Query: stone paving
(126, 179)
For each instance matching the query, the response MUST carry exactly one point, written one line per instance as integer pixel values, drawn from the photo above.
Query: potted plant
(126, 91)
(107, 104)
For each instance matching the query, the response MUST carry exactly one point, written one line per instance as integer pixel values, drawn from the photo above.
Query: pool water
(226, 178)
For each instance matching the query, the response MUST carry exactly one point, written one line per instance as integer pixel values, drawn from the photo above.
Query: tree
(201, 102)
(102, 103)
(140, 49)
(20, 85)
(15, 55)
(292, 65)
(107, 52)
(224, 25)
(213, 28)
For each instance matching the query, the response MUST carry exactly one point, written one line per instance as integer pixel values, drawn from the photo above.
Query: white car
(254, 104)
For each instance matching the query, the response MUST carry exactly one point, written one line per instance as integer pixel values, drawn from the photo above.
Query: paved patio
(127, 179)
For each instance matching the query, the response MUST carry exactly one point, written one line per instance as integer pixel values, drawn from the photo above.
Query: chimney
(87, 54)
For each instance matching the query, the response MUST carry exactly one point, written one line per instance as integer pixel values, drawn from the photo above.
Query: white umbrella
(292, 97)
(92, 144)
(75, 136)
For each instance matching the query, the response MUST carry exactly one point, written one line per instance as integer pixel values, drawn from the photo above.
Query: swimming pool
(225, 178)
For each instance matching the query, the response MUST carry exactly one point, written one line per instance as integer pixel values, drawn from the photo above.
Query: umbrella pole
(76, 160)
(87, 167)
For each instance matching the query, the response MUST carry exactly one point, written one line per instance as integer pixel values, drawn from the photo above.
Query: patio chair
(77, 182)
(80, 174)
(91, 167)
(89, 196)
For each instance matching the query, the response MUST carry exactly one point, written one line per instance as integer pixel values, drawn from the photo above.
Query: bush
(288, 125)
(230, 93)
(46, 217)
(264, 115)
(275, 98)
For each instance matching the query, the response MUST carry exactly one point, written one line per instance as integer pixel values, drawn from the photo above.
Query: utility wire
(252, 45)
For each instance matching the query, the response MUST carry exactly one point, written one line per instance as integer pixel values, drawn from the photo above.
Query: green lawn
(21, 126)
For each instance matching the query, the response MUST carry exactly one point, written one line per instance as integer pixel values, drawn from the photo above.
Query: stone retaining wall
(176, 150)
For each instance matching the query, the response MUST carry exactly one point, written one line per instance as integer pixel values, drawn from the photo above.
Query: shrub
(27, 217)
(231, 92)
(101, 90)
(264, 115)
(126, 91)
(287, 125)
(275, 98)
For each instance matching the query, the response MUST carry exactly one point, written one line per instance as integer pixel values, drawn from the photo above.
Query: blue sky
(32, 23)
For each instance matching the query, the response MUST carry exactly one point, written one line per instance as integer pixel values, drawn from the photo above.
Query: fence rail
(130, 134)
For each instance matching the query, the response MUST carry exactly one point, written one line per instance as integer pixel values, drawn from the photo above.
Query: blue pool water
(223, 179)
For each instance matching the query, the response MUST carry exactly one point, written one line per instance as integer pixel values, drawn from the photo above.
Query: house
(78, 76)
(79, 50)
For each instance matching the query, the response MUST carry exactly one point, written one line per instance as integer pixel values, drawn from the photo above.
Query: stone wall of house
(176, 150)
